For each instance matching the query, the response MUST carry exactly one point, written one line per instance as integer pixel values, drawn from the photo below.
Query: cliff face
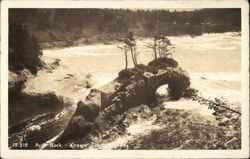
(132, 88)
(24, 106)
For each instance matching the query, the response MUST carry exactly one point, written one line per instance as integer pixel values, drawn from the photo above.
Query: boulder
(77, 127)
(89, 111)
(27, 105)
(24, 106)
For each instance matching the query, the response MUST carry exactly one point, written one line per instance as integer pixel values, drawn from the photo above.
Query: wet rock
(34, 128)
(51, 66)
(77, 128)
(142, 111)
(89, 83)
(28, 105)
(134, 116)
(90, 108)
(24, 106)
(89, 111)
(88, 75)
(56, 63)
(120, 132)
(67, 102)
(16, 81)
(223, 122)
(105, 136)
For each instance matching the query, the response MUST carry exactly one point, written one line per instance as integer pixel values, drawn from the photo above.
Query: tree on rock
(124, 49)
(129, 42)
(165, 47)
(161, 46)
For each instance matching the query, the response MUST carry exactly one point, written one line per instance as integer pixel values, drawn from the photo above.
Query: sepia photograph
(125, 78)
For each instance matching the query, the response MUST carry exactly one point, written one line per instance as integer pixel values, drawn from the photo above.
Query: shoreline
(53, 47)
(67, 71)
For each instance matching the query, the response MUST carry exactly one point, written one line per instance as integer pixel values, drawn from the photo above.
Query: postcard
(125, 79)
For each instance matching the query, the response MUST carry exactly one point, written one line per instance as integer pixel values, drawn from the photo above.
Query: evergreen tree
(24, 50)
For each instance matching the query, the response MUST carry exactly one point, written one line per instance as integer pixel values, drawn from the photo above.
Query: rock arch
(131, 88)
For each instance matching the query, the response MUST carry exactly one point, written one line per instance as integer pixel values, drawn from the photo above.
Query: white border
(243, 153)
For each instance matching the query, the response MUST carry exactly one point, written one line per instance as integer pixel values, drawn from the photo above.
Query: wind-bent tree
(130, 44)
(165, 47)
(161, 46)
(124, 49)
(130, 41)
(154, 47)
(136, 54)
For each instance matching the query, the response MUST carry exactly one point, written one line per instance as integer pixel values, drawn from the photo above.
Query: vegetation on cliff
(24, 50)
(65, 27)
(24, 62)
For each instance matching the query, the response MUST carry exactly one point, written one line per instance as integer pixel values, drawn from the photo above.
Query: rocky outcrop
(132, 88)
(25, 105)
(28, 105)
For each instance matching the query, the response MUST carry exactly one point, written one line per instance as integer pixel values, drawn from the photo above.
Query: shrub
(139, 70)
(162, 63)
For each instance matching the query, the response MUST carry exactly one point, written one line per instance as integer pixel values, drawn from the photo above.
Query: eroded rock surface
(130, 89)
(26, 105)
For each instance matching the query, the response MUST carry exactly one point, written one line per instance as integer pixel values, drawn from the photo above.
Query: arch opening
(162, 94)
(162, 91)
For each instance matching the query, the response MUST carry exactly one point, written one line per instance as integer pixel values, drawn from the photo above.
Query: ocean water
(213, 62)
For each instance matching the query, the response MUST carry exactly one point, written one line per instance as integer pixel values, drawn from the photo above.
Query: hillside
(67, 27)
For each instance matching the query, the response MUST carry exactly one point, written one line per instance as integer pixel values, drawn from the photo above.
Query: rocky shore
(24, 106)
(132, 88)
(126, 113)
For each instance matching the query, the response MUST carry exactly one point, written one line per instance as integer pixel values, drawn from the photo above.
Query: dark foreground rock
(186, 130)
(24, 106)
(29, 105)
(132, 88)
